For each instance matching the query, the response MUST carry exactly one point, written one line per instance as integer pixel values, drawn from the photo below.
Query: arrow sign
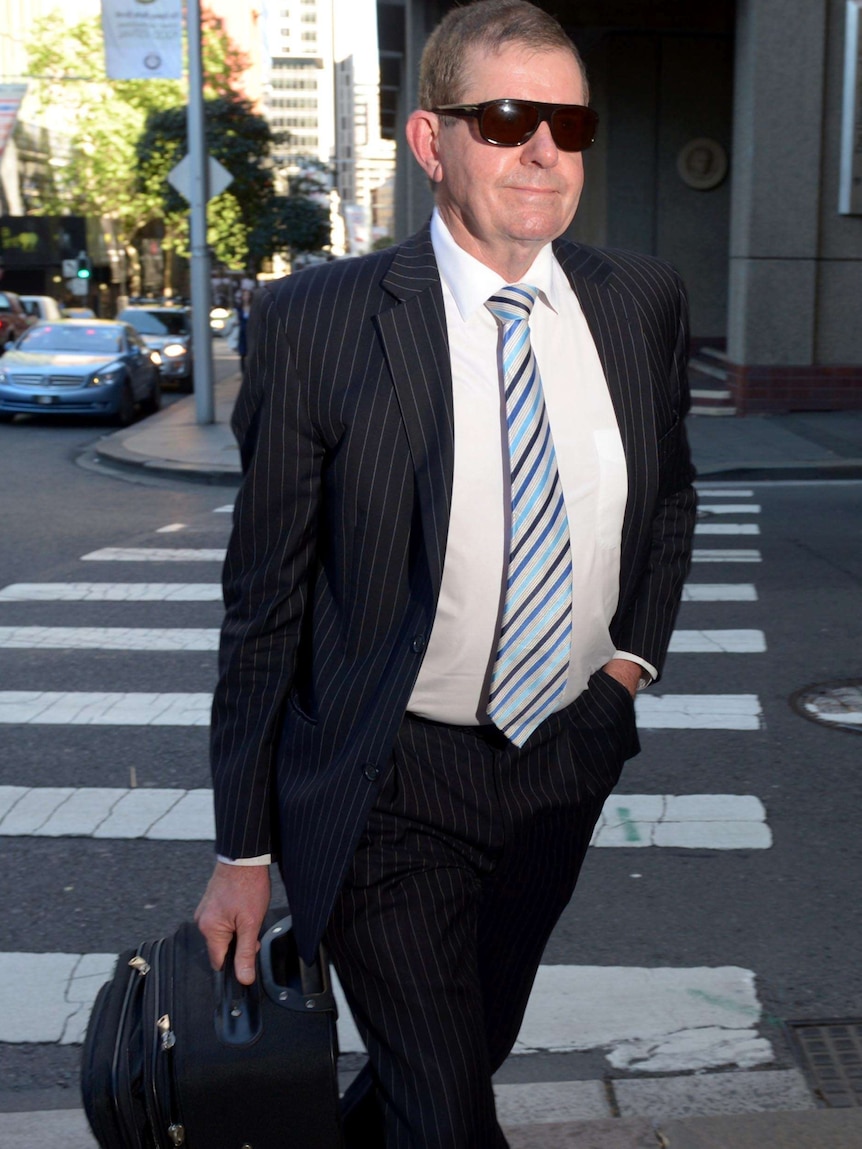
(180, 178)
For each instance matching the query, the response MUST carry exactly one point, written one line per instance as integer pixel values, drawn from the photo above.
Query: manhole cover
(837, 704)
(831, 1054)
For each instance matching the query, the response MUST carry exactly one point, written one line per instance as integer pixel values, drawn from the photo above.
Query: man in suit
(458, 551)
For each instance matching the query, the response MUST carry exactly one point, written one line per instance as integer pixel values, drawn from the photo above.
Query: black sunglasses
(510, 123)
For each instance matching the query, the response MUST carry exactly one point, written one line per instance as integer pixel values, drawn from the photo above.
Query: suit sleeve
(265, 584)
(646, 627)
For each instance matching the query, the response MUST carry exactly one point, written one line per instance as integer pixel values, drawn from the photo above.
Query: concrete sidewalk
(810, 445)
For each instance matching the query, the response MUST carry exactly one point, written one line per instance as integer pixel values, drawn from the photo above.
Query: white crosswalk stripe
(699, 555)
(656, 1020)
(727, 529)
(111, 592)
(719, 592)
(728, 509)
(178, 639)
(83, 708)
(695, 821)
(156, 555)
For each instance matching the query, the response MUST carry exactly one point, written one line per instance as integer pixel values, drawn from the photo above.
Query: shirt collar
(471, 282)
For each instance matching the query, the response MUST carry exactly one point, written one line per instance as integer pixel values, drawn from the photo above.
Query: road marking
(111, 592)
(108, 638)
(178, 639)
(690, 821)
(708, 556)
(651, 1020)
(714, 642)
(170, 528)
(85, 708)
(729, 508)
(698, 711)
(727, 529)
(156, 555)
(723, 493)
(719, 592)
(225, 510)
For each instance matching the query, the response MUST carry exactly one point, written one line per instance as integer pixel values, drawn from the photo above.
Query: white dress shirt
(453, 681)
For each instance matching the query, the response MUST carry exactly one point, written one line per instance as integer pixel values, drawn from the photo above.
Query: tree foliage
(104, 119)
(240, 140)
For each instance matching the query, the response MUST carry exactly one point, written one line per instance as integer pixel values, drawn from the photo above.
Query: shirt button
(370, 771)
(419, 643)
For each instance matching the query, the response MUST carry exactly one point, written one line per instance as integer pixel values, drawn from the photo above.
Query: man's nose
(540, 147)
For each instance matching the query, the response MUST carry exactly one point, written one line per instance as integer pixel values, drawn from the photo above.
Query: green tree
(103, 119)
(240, 140)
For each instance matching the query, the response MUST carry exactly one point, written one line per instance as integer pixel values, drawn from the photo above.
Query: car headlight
(156, 358)
(4, 378)
(107, 375)
(174, 350)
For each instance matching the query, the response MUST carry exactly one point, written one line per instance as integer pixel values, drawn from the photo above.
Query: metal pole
(200, 261)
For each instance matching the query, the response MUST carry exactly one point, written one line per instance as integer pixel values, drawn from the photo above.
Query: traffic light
(83, 268)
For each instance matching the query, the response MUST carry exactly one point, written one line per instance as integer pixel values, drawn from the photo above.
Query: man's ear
(423, 131)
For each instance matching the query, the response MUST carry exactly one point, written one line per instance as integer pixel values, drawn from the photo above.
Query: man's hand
(624, 671)
(234, 902)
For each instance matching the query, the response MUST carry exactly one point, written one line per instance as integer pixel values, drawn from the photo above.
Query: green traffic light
(83, 273)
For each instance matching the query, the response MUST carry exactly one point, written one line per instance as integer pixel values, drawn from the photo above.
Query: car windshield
(5, 302)
(157, 322)
(72, 337)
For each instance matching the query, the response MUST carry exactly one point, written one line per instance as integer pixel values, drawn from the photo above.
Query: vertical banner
(143, 39)
(11, 96)
(850, 193)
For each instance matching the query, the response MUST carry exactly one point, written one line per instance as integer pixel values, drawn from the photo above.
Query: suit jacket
(345, 428)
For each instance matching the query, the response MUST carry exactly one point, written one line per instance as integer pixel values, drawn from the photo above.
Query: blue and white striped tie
(532, 660)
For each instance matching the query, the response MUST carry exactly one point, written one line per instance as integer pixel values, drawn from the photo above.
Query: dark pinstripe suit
(346, 432)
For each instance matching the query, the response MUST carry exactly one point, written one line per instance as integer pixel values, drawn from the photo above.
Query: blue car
(80, 367)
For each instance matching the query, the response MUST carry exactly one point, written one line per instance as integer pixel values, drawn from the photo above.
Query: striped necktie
(532, 658)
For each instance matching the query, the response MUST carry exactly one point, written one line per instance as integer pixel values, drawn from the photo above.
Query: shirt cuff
(651, 673)
(260, 860)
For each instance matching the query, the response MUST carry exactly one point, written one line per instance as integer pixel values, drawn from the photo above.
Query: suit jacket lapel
(413, 334)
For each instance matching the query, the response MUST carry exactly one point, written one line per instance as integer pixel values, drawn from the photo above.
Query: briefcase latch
(177, 1134)
(167, 1035)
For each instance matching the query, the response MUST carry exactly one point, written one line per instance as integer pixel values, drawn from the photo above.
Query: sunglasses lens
(573, 128)
(508, 122)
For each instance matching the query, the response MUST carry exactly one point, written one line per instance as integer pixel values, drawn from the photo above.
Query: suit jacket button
(370, 771)
(419, 643)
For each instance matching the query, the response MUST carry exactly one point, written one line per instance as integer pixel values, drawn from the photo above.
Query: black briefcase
(176, 1055)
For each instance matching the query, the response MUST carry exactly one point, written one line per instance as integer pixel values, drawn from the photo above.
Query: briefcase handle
(281, 974)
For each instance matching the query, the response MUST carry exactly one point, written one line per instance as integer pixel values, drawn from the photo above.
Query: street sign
(69, 268)
(180, 177)
(78, 286)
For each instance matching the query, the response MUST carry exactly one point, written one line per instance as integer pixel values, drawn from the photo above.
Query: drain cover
(831, 1054)
(837, 704)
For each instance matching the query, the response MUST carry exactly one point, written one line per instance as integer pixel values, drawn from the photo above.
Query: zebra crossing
(653, 1020)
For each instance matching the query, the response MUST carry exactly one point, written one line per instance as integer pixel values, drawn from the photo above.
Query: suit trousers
(470, 854)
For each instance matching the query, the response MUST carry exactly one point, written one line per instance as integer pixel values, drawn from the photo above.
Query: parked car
(80, 367)
(41, 307)
(13, 319)
(222, 320)
(166, 328)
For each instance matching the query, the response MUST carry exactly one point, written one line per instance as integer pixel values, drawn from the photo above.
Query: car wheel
(126, 410)
(154, 402)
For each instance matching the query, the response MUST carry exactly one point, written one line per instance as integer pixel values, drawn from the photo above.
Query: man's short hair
(484, 26)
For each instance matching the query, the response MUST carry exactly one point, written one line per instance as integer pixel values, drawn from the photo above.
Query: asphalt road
(790, 913)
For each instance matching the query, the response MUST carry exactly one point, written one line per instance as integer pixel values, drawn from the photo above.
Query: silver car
(80, 367)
